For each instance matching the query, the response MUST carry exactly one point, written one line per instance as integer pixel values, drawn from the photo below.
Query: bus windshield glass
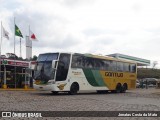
(43, 70)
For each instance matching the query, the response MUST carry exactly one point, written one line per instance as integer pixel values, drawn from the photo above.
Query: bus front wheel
(74, 89)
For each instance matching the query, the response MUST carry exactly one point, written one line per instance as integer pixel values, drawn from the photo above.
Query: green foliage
(34, 58)
(148, 73)
(13, 57)
(20, 58)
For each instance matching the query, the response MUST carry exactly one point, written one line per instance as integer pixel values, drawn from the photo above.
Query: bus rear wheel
(74, 89)
(118, 88)
(124, 88)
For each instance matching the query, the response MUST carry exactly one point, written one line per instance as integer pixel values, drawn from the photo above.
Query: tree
(155, 63)
(20, 58)
(148, 73)
(11, 56)
(34, 58)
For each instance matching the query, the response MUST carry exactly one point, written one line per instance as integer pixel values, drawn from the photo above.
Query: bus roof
(95, 56)
(104, 57)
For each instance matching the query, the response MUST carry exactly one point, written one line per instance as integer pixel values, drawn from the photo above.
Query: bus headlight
(51, 82)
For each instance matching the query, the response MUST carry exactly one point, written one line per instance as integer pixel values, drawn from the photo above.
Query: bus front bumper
(45, 87)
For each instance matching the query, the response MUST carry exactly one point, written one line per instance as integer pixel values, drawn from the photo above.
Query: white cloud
(96, 26)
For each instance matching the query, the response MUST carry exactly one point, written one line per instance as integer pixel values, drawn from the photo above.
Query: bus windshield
(43, 70)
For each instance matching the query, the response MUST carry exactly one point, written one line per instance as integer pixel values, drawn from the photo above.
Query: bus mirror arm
(54, 64)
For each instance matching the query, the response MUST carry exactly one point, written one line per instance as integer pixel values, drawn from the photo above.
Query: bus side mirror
(54, 63)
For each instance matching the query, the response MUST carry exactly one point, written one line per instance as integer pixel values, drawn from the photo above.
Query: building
(15, 73)
(139, 61)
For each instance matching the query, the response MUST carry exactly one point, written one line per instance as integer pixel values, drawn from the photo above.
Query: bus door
(63, 66)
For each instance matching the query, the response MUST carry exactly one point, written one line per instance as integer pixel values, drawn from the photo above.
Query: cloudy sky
(130, 27)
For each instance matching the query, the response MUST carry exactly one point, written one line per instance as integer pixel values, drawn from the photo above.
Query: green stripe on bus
(90, 77)
(98, 77)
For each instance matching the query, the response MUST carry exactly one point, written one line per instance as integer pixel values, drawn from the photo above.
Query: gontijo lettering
(113, 74)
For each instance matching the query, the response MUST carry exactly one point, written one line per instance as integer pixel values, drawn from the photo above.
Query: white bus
(73, 72)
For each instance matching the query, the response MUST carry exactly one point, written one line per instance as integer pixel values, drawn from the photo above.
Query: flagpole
(14, 57)
(29, 32)
(14, 35)
(28, 40)
(20, 48)
(1, 40)
(30, 43)
(0, 54)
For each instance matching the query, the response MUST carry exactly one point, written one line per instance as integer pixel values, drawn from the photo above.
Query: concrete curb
(17, 89)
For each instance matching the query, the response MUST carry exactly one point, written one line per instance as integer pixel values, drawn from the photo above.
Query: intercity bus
(74, 72)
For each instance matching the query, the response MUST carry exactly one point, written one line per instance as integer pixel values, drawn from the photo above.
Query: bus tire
(74, 89)
(124, 88)
(118, 88)
(102, 91)
(54, 92)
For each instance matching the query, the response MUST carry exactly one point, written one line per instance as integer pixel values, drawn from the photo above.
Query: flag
(32, 36)
(5, 33)
(18, 32)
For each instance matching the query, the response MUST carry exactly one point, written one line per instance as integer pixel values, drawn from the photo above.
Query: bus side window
(119, 66)
(133, 68)
(113, 65)
(97, 64)
(126, 67)
(89, 62)
(106, 64)
(76, 62)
